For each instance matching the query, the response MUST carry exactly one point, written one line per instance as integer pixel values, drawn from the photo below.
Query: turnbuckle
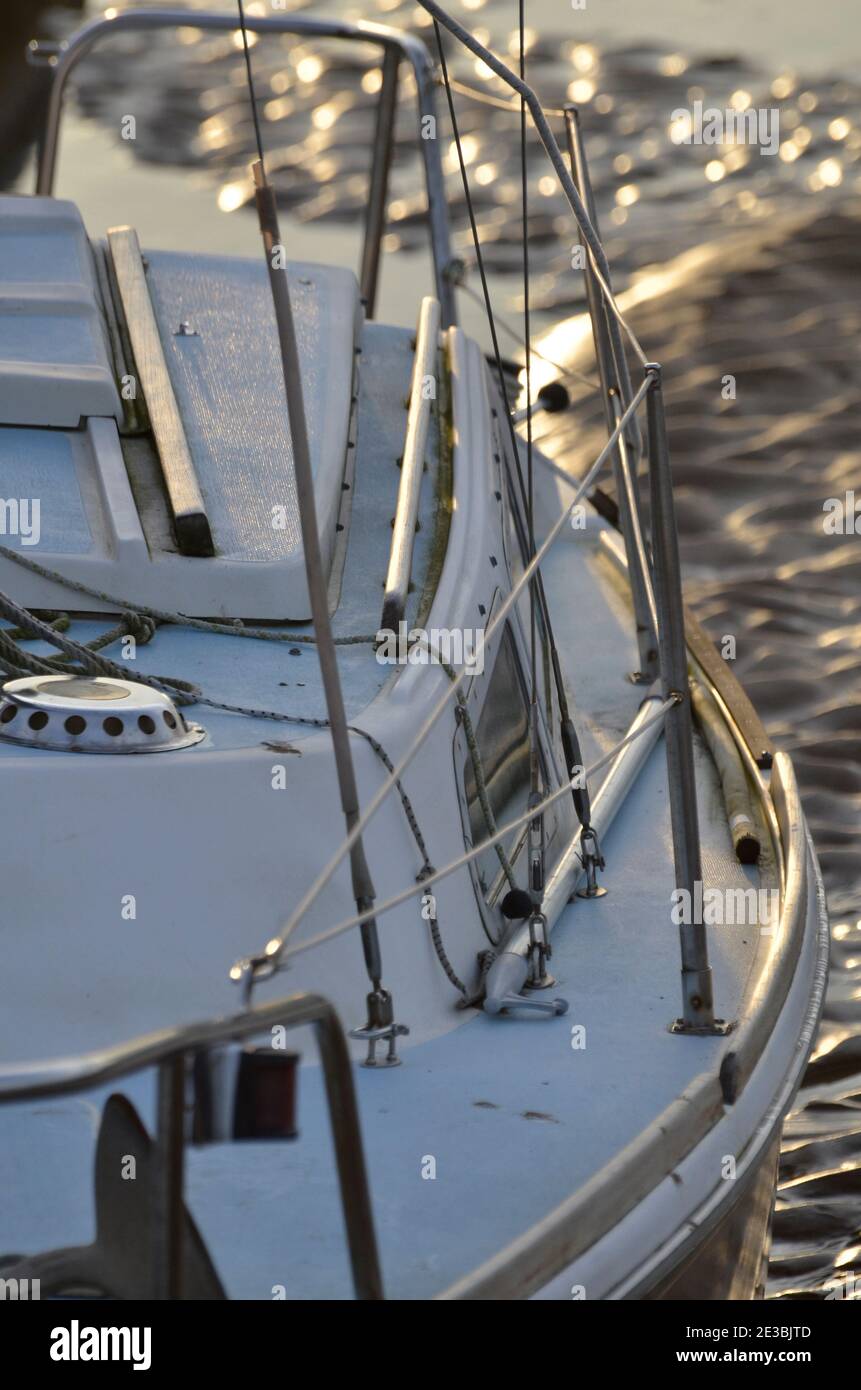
(592, 859)
(539, 953)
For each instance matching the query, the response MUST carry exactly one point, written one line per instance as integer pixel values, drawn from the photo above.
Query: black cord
(535, 779)
(527, 343)
(251, 92)
(488, 307)
(568, 732)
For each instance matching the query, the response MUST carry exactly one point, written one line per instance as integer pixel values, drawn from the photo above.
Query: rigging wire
(503, 388)
(568, 733)
(380, 1008)
(527, 337)
(554, 154)
(535, 864)
(251, 92)
(476, 850)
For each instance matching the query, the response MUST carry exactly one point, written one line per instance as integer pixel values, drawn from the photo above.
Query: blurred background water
(736, 263)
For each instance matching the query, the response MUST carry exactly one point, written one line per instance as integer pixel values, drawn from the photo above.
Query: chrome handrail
(396, 47)
(412, 466)
(167, 1050)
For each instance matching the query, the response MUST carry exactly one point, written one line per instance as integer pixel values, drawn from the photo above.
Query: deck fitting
(592, 860)
(718, 1028)
(380, 1027)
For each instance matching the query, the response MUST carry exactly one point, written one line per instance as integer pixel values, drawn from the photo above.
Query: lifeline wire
(250, 77)
(590, 236)
(349, 923)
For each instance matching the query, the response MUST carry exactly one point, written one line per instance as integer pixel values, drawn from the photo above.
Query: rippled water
(763, 256)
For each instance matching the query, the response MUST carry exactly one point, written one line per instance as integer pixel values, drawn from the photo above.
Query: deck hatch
(55, 366)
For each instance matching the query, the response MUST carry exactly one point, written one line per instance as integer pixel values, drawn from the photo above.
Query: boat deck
(495, 1101)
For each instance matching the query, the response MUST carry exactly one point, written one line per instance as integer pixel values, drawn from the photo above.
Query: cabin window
(502, 735)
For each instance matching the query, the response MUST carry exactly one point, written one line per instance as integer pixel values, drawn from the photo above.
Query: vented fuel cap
(92, 714)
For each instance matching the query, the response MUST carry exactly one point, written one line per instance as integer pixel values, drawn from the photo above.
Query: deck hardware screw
(380, 1027)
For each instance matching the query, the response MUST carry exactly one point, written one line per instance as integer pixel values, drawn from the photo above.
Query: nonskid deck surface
(510, 1117)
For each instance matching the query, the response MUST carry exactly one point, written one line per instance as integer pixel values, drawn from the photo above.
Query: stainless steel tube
(406, 46)
(375, 221)
(697, 996)
(508, 973)
(412, 466)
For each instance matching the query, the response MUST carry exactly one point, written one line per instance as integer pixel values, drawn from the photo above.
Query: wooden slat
(193, 531)
(768, 992)
(732, 692)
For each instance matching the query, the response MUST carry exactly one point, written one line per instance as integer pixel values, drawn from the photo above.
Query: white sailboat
(433, 898)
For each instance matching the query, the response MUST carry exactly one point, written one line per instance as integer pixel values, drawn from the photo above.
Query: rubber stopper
(554, 397)
(516, 905)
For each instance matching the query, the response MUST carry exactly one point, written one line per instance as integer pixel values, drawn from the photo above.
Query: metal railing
(168, 1050)
(698, 1014)
(655, 582)
(616, 394)
(396, 48)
